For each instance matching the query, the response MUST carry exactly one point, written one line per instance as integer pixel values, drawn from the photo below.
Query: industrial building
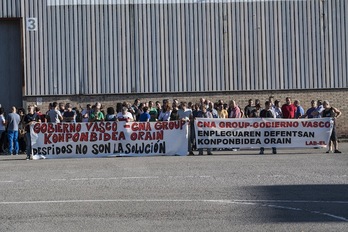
(113, 50)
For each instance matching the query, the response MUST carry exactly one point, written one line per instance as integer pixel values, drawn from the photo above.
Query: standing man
(185, 114)
(54, 115)
(2, 127)
(62, 108)
(69, 115)
(312, 112)
(12, 123)
(299, 111)
(277, 110)
(234, 110)
(249, 108)
(333, 113)
(288, 109)
(153, 112)
(267, 113)
(30, 119)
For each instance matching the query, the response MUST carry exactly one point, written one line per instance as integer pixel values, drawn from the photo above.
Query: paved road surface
(295, 190)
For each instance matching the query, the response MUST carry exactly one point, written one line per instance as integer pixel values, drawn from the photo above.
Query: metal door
(11, 80)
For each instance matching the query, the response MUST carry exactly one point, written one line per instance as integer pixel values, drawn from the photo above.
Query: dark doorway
(11, 80)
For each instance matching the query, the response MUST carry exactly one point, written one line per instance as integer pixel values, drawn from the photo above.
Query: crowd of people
(17, 122)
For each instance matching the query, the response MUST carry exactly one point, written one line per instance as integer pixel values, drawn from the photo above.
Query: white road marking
(140, 177)
(58, 179)
(6, 181)
(238, 202)
(294, 201)
(79, 179)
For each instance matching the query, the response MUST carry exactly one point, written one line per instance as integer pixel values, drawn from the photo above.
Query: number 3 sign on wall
(31, 24)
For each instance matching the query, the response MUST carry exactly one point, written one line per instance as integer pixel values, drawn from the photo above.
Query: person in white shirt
(185, 114)
(165, 113)
(124, 115)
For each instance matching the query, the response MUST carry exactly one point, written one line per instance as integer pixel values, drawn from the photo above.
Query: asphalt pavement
(294, 190)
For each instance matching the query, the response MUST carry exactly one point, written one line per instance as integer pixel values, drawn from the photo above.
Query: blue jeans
(28, 136)
(12, 140)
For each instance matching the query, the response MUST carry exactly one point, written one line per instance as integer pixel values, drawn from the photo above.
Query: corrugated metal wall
(10, 8)
(124, 48)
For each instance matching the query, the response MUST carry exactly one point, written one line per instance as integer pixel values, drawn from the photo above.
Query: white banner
(262, 132)
(105, 139)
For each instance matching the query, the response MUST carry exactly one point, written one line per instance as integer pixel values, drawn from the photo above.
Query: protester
(86, 113)
(145, 116)
(2, 127)
(165, 113)
(205, 114)
(140, 111)
(110, 115)
(152, 111)
(222, 112)
(255, 112)
(175, 108)
(277, 109)
(29, 119)
(135, 108)
(53, 115)
(61, 107)
(96, 114)
(41, 116)
(319, 109)
(333, 113)
(234, 110)
(312, 111)
(12, 123)
(212, 110)
(249, 108)
(21, 130)
(69, 114)
(288, 109)
(299, 109)
(185, 114)
(267, 113)
(124, 115)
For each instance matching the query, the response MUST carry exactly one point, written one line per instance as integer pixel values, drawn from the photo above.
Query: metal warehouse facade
(98, 47)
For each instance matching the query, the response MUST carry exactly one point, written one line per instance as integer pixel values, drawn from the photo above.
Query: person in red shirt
(288, 109)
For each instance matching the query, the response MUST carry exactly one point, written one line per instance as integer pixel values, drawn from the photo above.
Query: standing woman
(333, 113)
(165, 113)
